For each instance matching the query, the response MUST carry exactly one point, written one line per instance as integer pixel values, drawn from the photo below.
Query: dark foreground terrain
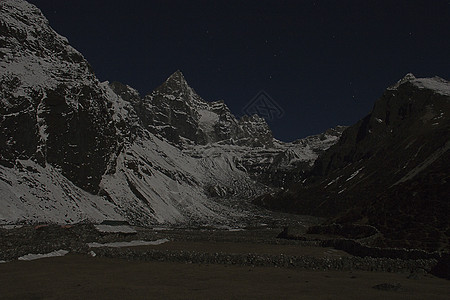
(203, 263)
(82, 277)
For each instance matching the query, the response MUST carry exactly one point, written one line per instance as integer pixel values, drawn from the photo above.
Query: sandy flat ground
(84, 277)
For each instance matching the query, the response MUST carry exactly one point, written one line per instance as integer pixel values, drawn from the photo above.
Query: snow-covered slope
(32, 193)
(74, 149)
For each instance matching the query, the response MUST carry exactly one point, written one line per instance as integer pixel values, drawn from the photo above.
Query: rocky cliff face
(388, 169)
(52, 108)
(72, 148)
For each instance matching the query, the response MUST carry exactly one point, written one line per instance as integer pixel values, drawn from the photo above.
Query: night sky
(323, 62)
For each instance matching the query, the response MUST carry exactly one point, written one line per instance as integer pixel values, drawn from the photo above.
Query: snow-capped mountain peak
(408, 77)
(177, 79)
(436, 84)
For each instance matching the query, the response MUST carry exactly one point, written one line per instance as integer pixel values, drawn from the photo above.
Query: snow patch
(128, 244)
(46, 255)
(207, 120)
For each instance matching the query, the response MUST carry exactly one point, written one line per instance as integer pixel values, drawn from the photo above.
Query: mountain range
(75, 149)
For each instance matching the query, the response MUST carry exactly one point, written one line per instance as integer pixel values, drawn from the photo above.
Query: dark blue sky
(323, 62)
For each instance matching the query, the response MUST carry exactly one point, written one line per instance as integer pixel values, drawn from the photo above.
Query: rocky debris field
(283, 261)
